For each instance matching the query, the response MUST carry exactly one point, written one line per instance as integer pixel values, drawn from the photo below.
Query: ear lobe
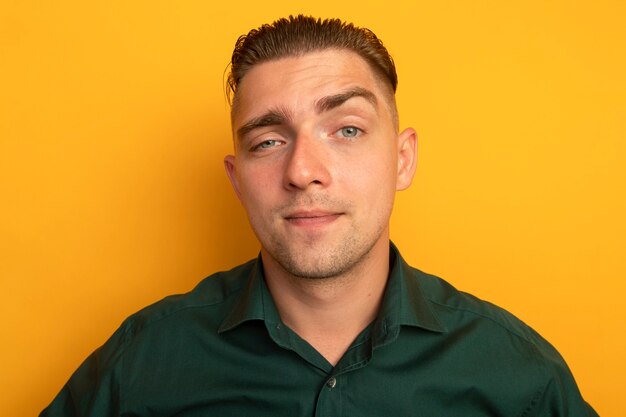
(407, 158)
(231, 171)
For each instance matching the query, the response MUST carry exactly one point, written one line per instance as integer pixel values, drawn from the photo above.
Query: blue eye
(349, 131)
(270, 143)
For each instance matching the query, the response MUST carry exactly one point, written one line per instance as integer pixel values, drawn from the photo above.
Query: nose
(307, 164)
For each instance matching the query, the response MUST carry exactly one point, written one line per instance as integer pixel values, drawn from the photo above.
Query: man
(328, 320)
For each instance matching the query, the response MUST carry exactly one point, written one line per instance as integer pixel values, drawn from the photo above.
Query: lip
(312, 217)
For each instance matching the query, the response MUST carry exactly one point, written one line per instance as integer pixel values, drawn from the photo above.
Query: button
(331, 382)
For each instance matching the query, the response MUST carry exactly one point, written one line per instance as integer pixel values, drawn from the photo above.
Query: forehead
(296, 83)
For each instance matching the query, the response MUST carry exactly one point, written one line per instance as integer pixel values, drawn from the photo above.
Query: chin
(322, 263)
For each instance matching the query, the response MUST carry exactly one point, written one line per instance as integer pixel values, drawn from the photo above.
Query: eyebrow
(336, 100)
(278, 117)
(271, 118)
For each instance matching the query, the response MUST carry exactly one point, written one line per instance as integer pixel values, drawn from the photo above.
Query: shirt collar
(254, 303)
(403, 302)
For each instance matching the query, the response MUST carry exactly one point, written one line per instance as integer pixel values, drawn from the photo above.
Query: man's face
(318, 160)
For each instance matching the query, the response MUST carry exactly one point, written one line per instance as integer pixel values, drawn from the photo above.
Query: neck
(329, 313)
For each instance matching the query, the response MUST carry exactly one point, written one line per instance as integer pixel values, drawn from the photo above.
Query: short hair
(296, 36)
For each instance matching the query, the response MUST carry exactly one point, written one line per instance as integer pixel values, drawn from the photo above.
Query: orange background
(113, 126)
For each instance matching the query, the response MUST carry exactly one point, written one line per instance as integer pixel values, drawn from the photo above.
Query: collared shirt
(222, 350)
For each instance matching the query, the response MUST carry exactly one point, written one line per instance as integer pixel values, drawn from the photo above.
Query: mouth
(312, 218)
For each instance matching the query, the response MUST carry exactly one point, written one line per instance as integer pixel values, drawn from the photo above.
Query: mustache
(322, 202)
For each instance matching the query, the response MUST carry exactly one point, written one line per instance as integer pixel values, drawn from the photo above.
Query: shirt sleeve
(93, 390)
(560, 397)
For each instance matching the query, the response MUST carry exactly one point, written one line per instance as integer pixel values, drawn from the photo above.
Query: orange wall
(113, 125)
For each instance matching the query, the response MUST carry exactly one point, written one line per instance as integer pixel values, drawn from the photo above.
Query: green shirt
(222, 350)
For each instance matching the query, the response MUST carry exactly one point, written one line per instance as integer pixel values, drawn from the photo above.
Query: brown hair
(296, 36)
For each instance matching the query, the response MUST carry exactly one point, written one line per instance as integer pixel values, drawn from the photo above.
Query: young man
(329, 319)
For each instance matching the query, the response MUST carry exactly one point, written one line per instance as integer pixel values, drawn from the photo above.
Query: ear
(231, 171)
(407, 158)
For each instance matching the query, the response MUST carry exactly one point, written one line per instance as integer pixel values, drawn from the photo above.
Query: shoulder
(505, 351)
(496, 353)
(212, 298)
(459, 311)
(155, 329)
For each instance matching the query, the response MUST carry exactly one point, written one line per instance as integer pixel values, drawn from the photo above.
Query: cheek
(372, 180)
(377, 167)
(256, 185)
